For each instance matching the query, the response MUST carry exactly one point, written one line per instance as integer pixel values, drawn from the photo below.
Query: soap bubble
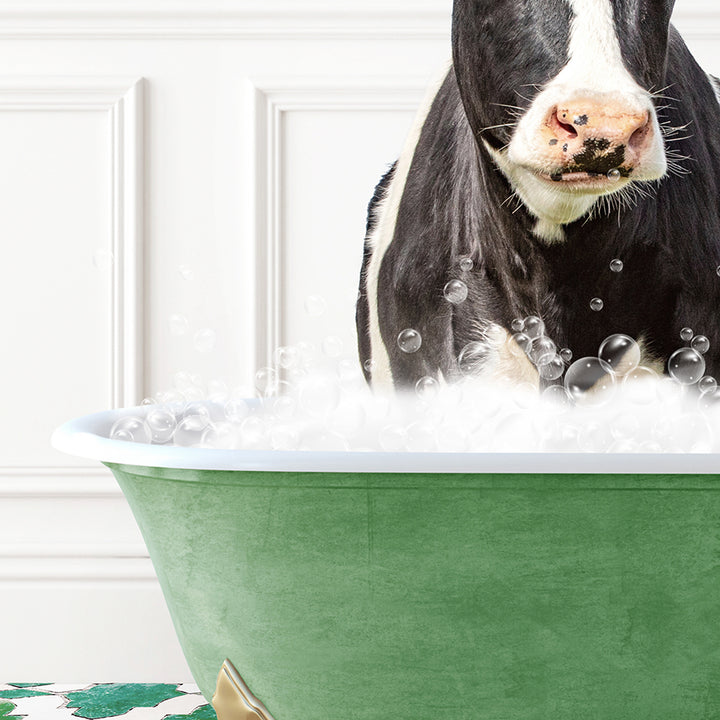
(595, 437)
(420, 437)
(686, 334)
(625, 426)
(204, 340)
(617, 265)
(266, 381)
(552, 370)
(254, 433)
(427, 388)
(590, 381)
(717, 270)
(556, 394)
(189, 431)
(162, 424)
(686, 366)
(466, 264)
(639, 385)
(707, 384)
(517, 325)
(283, 407)
(700, 344)
(332, 346)
(534, 327)
(473, 357)
(287, 357)
(392, 438)
(369, 365)
(614, 175)
(456, 292)
(103, 259)
(221, 436)
(131, 429)
(710, 401)
(567, 355)
(199, 408)
(178, 324)
(543, 351)
(621, 353)
(236, 410)
(409, 341)
(315, 305)
(596, 304)
(521, 344)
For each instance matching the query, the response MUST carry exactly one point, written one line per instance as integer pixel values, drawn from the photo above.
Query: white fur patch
(380, 239)
(595, 69)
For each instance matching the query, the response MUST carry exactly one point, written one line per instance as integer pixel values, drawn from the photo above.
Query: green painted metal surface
(498, 597)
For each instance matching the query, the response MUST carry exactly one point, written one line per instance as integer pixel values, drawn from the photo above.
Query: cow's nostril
(638, 137)
(562, 129)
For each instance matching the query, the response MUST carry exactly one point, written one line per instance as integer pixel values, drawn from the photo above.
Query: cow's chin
(558, 199)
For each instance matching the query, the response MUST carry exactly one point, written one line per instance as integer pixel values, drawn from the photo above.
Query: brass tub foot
(233, 700)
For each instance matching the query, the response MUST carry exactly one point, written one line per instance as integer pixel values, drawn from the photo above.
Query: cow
(566, 169)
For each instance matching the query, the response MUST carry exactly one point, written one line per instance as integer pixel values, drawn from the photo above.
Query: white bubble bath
(313, 400)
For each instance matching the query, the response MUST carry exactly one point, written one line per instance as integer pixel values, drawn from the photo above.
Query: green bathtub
(417, 586)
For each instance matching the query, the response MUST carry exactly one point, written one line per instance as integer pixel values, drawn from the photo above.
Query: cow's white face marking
(594, 72)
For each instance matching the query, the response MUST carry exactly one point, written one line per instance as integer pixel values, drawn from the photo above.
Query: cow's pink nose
(592, 127)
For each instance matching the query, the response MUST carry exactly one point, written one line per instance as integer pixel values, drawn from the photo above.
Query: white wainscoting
(205, 158)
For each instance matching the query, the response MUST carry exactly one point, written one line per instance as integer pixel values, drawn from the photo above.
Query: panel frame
(121, 99)
(268, 101)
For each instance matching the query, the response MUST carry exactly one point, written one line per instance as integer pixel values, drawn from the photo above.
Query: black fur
(454, 206)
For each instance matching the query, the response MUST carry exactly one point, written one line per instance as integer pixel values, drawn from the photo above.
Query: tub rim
(86, 437)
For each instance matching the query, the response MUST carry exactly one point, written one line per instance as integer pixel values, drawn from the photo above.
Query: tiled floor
(136, 701)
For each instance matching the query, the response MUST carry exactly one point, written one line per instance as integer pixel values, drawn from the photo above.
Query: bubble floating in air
(409, 340)
(686, 366)
(700, 344)
(315, 305)
(466, 264)
(204, 340)
(590, 381)
(707, 384)
(427, 387)
(553, 369)
(185, 272)
(543, 350)
(596, 304)
(131, 429)
(686, 334)
(614, 175)
(456, 292)
(473, 357)
(621, 353)
(517, 325)
(617, 265)
(567, 355)
(534, 327)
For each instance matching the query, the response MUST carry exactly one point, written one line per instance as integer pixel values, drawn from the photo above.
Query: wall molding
(228, 18)
(188, 19)
(122, 100)
(57, 482)
(268, 102)
(42, 564)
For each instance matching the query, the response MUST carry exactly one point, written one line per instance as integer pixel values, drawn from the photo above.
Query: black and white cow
(566, 134)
